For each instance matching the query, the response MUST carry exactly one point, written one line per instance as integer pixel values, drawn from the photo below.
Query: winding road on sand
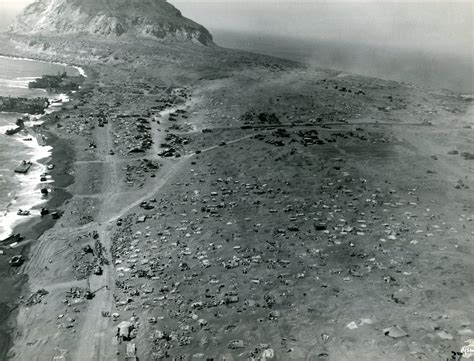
(96, 339)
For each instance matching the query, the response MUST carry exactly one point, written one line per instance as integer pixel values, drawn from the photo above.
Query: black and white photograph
(236, 180)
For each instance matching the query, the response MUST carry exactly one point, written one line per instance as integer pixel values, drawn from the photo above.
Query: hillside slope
(155, 19)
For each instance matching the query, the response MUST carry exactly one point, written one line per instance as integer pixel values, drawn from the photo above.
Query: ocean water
(432, 69)
(18, 191)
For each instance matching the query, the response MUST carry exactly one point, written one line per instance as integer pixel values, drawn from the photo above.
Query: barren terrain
(243, 207)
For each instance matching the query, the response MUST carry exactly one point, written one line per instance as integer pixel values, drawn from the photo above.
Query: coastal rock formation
(149, 19)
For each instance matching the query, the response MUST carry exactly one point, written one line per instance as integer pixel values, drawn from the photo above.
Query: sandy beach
(26, 143)
(51, 150)
(241, 206)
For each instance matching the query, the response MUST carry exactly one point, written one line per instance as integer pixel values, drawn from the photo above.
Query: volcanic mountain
(125, 19)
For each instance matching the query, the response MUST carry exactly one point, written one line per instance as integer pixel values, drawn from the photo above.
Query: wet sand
(12, 283)
(324, 232)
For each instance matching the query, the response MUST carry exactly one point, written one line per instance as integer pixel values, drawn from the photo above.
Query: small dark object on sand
(16, 261)
(44, 211)
(44, 191)
(146, 205)
(88, 249)
(320, 227)
(13, 131)
(12, 239)
(467, 156)
(98, 270)
(55, 215)
(22, 212)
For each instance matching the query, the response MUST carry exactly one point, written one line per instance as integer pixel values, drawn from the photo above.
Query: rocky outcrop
(125, 19)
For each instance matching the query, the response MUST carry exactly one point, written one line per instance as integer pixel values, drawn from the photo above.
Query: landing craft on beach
(13, 131)
(22, 212)
(23, 167)
(13, 238)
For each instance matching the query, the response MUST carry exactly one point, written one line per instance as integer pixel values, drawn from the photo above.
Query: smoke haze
(430, 43)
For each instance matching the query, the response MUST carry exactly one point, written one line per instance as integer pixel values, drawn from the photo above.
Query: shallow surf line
(80, 70)
(15, 83)
(29, 196)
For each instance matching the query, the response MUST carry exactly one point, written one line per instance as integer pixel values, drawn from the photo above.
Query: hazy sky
(444, 25)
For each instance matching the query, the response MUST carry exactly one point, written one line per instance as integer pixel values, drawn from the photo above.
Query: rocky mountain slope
(155, 19)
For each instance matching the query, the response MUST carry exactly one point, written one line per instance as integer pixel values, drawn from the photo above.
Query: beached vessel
(13, 238)
(13, 131)
(22, 212)
(23, 167)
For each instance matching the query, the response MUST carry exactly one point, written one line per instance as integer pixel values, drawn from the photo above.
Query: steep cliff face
(155, 19)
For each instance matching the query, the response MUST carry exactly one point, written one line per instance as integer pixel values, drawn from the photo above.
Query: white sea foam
(78, 68)
(14, 83)
(81, 71)
(29, 195)
(29, 78)
(4, 128)
(57, 101)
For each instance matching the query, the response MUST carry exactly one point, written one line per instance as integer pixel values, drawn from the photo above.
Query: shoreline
(57, 102)
(13, 286)
(79, 69)
(327, 226)
(40, 153)
(14, 282)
